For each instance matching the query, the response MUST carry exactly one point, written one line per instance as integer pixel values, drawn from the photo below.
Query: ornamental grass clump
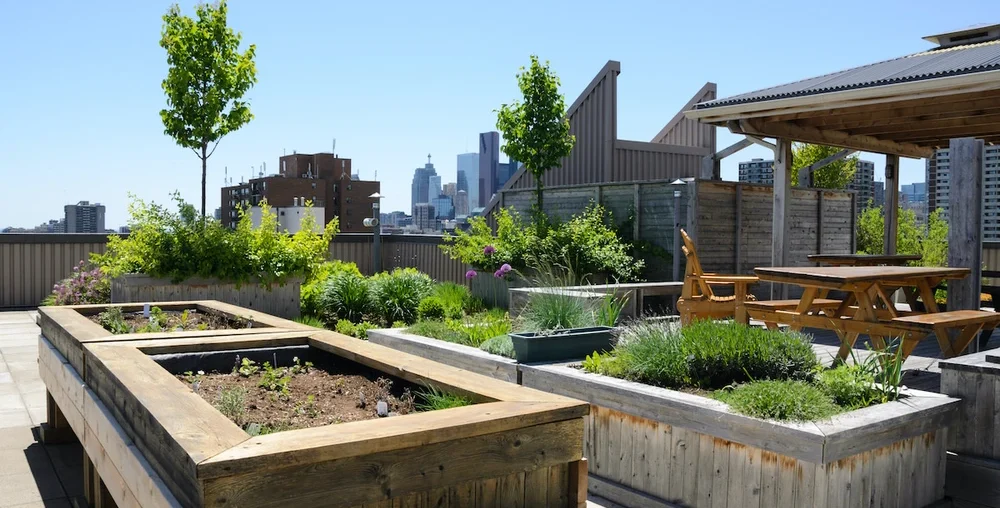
(396, 295)
(344, 295)
(783, 400)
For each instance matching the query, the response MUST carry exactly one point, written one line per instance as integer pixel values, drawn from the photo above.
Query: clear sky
(393, 81)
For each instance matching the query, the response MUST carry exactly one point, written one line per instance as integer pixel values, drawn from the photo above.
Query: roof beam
(733, 148)
(761, 142)
(972, 131)
(826, 137)
(822, 163)
(921, 124)
(912, 107)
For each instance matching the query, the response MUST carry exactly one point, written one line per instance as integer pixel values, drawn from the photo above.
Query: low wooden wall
(974, 464)
(280, 300)
(456, 355)
(649, 446)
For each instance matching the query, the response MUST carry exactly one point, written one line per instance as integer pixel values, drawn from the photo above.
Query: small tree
(536, 131)
(835, 175)
(205, 82)
(931, 244)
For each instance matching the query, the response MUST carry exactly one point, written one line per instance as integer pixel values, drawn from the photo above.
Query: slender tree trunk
(204, 175)
(539, 214)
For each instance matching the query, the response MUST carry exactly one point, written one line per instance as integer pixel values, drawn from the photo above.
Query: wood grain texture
(457, 355)
(839, 276)
(390, 474)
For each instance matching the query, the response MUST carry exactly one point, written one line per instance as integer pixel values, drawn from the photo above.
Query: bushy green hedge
(585, 245)
(180, 244)
(705, 354)
(396, 295)
(344, 295)
(312, 288)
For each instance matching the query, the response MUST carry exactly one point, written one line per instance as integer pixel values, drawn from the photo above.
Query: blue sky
(393, 81)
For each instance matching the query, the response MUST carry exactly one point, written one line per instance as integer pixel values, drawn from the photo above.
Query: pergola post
(965, 237)
(891, 206)
(780, 239)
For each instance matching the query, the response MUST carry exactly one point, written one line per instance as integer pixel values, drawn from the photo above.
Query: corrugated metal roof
(938, 63)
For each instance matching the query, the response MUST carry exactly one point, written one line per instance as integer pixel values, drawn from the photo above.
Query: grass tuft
(434, 399)
(785, 400)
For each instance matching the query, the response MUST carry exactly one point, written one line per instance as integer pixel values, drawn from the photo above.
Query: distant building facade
(939, 188)
(878, 198)
(467, 178)
(84, 217)
(420, 187)
(449, 189)
(323, 179)
(757, 171)
(443, 207)
(461, 203)
(433, 187)
(424, 217)
(864, 183)
(489, 165)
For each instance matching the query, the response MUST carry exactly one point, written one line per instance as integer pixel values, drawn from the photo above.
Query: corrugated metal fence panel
(423, 253)
(30, 264)
(355, 248)
(653, 164)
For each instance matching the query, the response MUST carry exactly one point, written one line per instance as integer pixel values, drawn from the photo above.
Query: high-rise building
(757, 171)
(433, 187)
(504, 173)
(449, 189)
(461, 203)
(322, 178)
(443, 207)
(913, 193)
(939, 188)
(878, 197)
(84, 217)
(424, 217)
(489, 165)
(864, 183)
(468, 176)
(420, 188)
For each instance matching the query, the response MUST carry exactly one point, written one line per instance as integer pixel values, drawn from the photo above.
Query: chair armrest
(727, 279)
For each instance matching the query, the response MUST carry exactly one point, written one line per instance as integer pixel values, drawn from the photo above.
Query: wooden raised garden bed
(154, 440)
(650, 446)
(457, 355)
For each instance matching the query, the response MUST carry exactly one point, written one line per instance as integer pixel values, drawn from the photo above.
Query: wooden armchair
(698, 301)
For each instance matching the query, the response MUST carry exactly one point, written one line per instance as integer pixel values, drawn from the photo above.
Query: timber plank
(487, 493)
(558, 486)
(512, 490)
(536, 487)
(406, 470)
(768, 479)
(720, 473)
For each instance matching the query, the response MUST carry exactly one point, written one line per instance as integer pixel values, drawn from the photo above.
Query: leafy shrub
(179, 245)
(500, 345)
(274, 379)
(586, 243)
(312, 288)
(113, 321)
(436, 330)
(849, 386)
(780, 400)
(344, 295)
(431, 308)
(346, 327)
(482, 327)
(247, 367)
(706, 354)
(553, 310)
(361, 331)
(398, 324)
(85, 286)
(395, 295)
(454, 297)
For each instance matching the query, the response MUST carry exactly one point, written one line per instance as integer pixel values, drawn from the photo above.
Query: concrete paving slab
(6, 378)
(31, 458)
(17, 438)
(10, 401)
(38, 415)
(14, 418)
(30, 487)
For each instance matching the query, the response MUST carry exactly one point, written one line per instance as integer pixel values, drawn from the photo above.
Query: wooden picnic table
(867, 309)
(864, 259)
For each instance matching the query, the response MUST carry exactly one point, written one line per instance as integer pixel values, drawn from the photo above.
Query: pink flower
(470, 274)
(505, 269)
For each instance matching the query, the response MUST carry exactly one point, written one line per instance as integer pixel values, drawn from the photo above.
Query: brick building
(322, 178)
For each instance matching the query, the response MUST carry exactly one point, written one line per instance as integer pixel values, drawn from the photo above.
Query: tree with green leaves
(835, 175)
(930, 242)
(536, 131)
(206, 81)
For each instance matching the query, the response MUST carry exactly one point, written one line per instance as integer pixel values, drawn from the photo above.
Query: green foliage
(835, 175)
(398, 324)
(554, 310)
(431, 308)
(536, 131)
(455, 298)
(87, 285)
(783, 400)
(177, 245)
(248, 367)
(436, 330)
(361, 331)
(232, 404)
(274, 379)
(113, 321)
(206, 80)
(346, 327)
(344, 295)
(313, 285)
(433, 399)
(609, 310)
(587, 244)
(884, 366)
(849, 386)
(310, 321)
(931, 243)
(395, 295)
(478, 329)
(706, 354)
(501, 345)
(156, 315)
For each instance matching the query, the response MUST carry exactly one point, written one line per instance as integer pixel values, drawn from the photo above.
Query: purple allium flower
(498, 274)
(505, 268)
(470, 274)
(489, 250)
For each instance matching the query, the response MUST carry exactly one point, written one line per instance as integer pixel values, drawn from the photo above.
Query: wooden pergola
(948, 96)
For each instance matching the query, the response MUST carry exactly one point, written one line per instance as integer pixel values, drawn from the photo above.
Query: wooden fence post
(738, 249)
(965, 236)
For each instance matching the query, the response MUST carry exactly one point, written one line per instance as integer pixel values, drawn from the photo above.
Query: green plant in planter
(434, 399)
(609, 310)
(501, 345)
(346, 327)
(780, 400)
(396, 295)
(344, 295)
(431, 308)
(113, 320)
(436, 330)
(312, 287)
(555, 310)
(361, 331)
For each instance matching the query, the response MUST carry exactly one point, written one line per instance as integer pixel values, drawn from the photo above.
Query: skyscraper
(489, 165)
(420, 188)
(939, 188)
(433, 187)
(449, 189)
(864, 184)
(84, 217)
(461, 203)
(468, 176)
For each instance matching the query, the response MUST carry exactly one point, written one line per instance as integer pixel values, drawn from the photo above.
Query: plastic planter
(570, 344)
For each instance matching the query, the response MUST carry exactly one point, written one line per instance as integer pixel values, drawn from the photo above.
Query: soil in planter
(118, 322)
(262, 399)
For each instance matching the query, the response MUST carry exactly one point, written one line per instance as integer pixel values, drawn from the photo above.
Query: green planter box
(575, 343)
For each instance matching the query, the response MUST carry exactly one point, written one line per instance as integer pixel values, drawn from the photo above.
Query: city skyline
(441, 107)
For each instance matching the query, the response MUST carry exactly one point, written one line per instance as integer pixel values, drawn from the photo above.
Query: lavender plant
(87, 284)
